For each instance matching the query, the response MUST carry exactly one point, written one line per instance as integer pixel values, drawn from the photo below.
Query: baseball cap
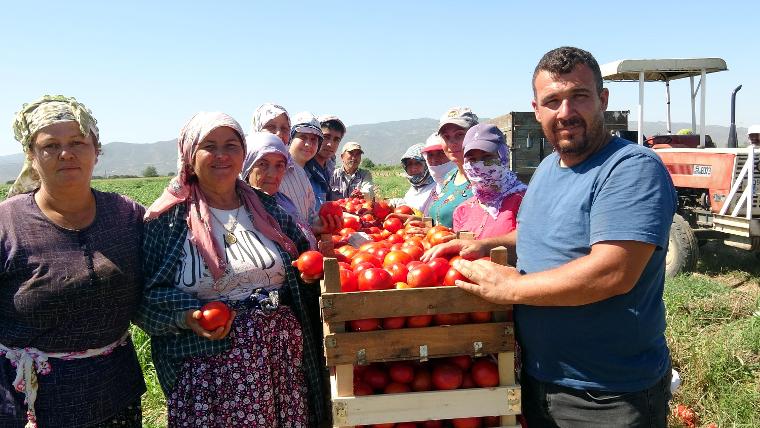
(351, 146)
(434, 142)
(307, 123)
(484, 136)
(331, 118)
(753, 129)
(460, 116)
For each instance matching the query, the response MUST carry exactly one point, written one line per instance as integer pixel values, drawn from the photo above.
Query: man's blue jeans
(549, 405)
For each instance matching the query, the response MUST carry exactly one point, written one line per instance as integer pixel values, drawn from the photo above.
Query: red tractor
(717, 187)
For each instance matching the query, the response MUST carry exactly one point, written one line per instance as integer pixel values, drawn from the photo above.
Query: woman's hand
(191, 319)
(326, 224)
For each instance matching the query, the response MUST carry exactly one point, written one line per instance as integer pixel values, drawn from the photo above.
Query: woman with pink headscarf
(211, 237)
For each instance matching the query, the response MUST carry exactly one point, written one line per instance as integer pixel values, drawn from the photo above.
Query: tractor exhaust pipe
(732, 140)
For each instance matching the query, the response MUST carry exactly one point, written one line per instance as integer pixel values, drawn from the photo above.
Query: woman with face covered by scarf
(70, 280)
(420, 193)
(212, 237)
(492, 211)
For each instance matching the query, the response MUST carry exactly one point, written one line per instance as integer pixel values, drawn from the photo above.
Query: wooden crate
(344, 349)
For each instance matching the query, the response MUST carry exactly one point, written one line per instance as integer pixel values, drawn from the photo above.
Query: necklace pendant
(229, 238)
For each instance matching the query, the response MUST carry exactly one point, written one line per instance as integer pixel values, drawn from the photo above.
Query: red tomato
(432, 424)
(347, 251)
(463, 361)
(419, 321)
(362, 257)
(404, 209)
(466, 423)
(422, 380)
(398, 272)
(368, 324)
(447, 376)
(351, 222)
(214, 315)
(491, 421)
(396, 257)
(310, 263)
(362, 266)
(361, 388)
(368, 218)
(421, 276)
(331, 208)
(396, 388)
(376, 377)
(381, 209)
(389, 425)
(439, 237)
(414, 263)
(452, 275)
(467, 381)
(485, 373)
(395, 239)
(406, 425)
(440, 267)
(451, 319)
(348, 281)
(401, 372)
(414, 251)
(393, 323)
(393, 224)
(479, 317)
(375, 279)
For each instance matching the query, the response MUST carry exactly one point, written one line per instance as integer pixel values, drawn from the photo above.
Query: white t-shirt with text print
(253, 261)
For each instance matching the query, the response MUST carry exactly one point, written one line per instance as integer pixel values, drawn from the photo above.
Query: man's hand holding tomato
(490, 281)
(192, 318)
(329, 223)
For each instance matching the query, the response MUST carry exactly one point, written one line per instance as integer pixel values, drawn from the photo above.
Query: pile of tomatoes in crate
(390, 260)
(438, 374)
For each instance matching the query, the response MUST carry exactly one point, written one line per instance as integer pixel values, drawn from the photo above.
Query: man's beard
(579, 144)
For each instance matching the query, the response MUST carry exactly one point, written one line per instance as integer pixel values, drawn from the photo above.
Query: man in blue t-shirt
(592, 237)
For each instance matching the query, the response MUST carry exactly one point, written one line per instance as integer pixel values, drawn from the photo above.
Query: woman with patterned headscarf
(212, 237)
(497, 192)
(420, 193)
(71, 280)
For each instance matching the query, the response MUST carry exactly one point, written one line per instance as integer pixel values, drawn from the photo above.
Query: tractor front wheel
(683, 248)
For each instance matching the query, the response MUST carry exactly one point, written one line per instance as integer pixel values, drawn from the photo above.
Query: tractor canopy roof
(660, 70)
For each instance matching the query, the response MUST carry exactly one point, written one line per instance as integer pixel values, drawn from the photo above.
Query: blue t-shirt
(623, 192)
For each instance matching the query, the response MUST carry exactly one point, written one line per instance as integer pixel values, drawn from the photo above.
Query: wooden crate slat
(420, 406)
(404, 344)
(339, 307)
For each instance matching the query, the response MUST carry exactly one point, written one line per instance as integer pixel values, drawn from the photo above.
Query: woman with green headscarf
(70, 281)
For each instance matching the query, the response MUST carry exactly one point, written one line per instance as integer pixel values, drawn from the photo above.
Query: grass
(713, 320)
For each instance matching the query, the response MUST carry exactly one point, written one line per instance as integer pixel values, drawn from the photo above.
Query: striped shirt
(296, 186)
(343, 184)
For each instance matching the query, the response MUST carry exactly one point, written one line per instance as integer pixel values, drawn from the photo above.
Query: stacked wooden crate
(345, 349)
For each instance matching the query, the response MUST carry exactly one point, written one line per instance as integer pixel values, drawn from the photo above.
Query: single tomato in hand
(310, 263)
(214, 315)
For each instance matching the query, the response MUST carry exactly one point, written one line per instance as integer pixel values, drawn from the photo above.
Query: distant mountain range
(383, 143)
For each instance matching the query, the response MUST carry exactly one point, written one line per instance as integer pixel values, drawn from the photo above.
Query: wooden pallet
(344, 349)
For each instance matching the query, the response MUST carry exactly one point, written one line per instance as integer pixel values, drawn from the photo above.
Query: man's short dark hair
(563, 60)
(333, 125)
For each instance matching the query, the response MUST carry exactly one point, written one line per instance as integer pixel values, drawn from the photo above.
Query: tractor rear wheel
(683, 248)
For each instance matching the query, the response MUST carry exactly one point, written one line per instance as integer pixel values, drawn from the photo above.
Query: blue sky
(144, 68)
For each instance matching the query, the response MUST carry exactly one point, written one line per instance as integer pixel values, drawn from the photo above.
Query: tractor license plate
(702, 170)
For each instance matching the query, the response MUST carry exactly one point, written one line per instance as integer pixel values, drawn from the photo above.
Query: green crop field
(713, 320)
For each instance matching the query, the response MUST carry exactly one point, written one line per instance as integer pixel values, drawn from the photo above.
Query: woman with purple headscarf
(497, 191)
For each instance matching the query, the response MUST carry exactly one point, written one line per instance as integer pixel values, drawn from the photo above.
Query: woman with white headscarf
(70, 280)
(420, 193)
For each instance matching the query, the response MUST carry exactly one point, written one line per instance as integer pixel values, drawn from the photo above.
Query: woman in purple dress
(70, 281)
